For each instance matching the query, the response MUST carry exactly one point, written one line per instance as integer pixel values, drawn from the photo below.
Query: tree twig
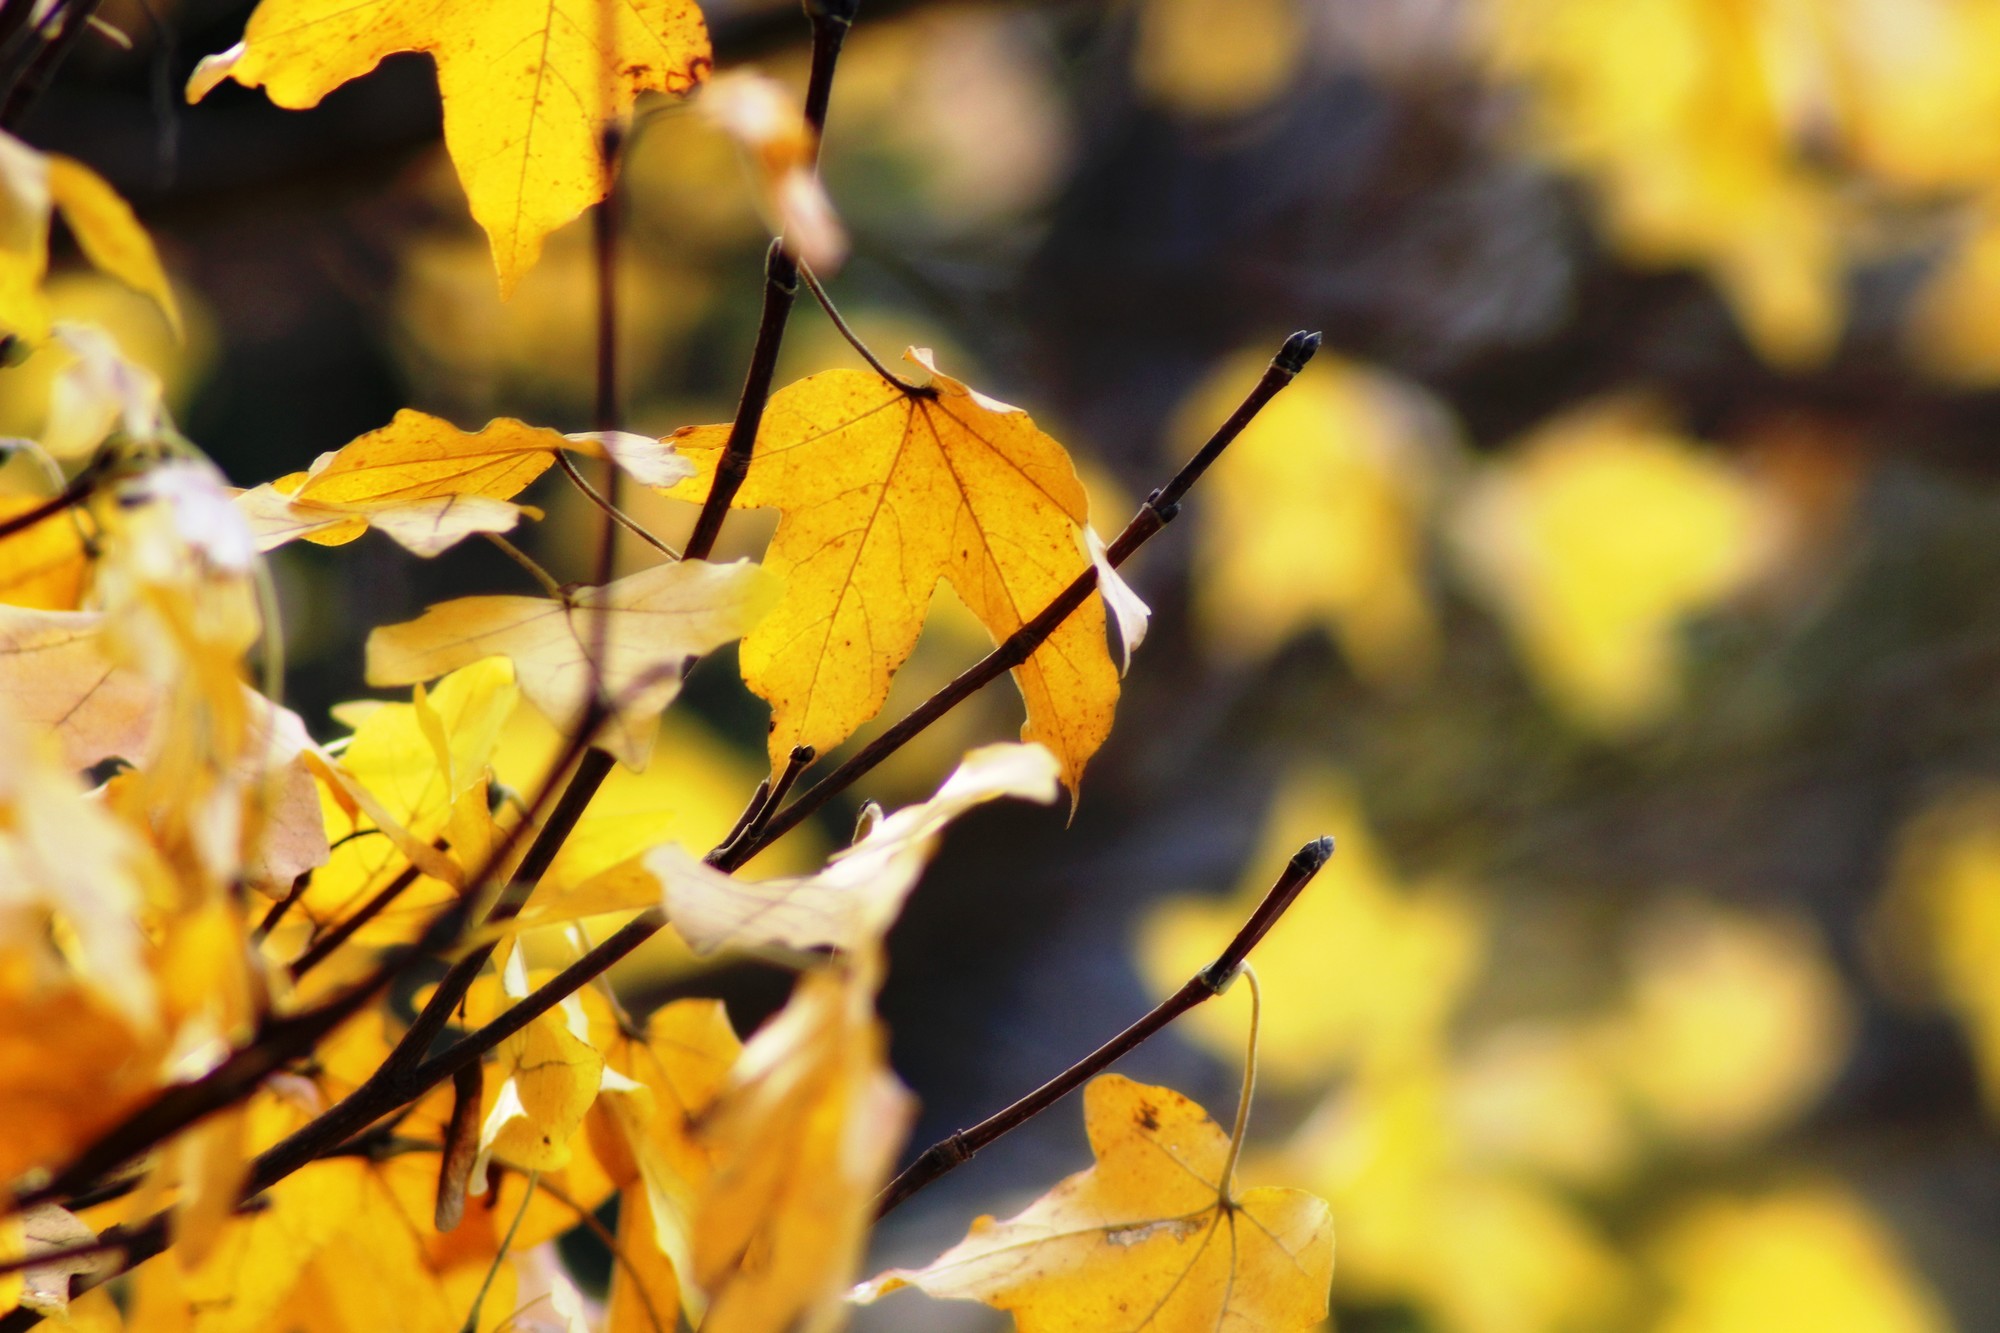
(949, 1153)
(813, 285)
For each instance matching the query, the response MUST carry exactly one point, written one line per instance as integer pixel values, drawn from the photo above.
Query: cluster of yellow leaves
(1594, 537)
(1760, 141)
(1465, 1161)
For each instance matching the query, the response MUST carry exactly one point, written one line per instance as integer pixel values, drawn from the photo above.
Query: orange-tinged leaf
(631, 635)
(43, 566)
(884, 493)
(58, 677)
(802, 1138)
(852, 903)
(108, 233)
(645, 1290)
(1148, 1238)
(528, 86)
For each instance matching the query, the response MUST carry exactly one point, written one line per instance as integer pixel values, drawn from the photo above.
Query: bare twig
(947, 1154)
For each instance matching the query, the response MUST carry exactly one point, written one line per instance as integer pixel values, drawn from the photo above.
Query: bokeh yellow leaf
(108, 233)
(528, 87)
(884, 493)
(44, 566)
(1150, 1237)
(1803, 1259)
(1360, 969)
(1733, 1022)
(1315, 516)
(626, 638)
(1595, 539)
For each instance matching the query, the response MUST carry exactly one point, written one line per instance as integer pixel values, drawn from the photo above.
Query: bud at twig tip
(1298, 350)
(1309, 858)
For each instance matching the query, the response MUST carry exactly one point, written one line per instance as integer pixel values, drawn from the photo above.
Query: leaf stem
(950, 1153)
(617, 515)
(812, 282)
(1228, 1182)
(471, 1324)
(529, 563)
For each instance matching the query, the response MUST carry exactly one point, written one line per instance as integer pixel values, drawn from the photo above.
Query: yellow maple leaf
(851, 903)
(626, 638)
(1595, 539)
(802, 1137)
(528, 88)
(1805, 1258)
(32, 183)
(1315, 516)
(549, 1077)
(1359, 969)
(659, 1085)
(883, 494)
(1153, 1236)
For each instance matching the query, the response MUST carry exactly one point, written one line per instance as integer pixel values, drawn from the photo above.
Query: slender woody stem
(950, 1153)
(813, 285)
(604, 244)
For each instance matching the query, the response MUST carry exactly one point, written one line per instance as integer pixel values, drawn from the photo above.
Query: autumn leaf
(884, 493)
(783, 150)
(1595, 538)
(31, 183)
(852, 902)
(802, 1137)
(628, 635)
(1151, 1237)
(528, 87)
(427, 484)
(549, 1078)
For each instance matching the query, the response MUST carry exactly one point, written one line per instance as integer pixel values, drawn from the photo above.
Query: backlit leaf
(885, 493)
(528, 86)
(1148, 1238)
(627, 638)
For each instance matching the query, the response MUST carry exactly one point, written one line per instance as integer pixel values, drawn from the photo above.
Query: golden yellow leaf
(645, 1290)
(627, 638)
(1359, 969)
(850, 904)
(528, 87)
(1803, 1259)
(1733, 1025)
(31, 183)
(108, 233)
(1150, 1237)
(549, 1076)
(1595, 539)
(802, 1137)
(1316, 515)
(885, 493)
(1943, 918)
(644, 1130)
(43, 566)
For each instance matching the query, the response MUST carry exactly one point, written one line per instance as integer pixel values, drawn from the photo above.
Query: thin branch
(280, 908)
(34, 80)
(947, 1154)
(769, 796)
(604, 247)
(830, 20)
(812, 282)
(322, 948)
(617, 515)
(1159, 509)
(79, 489)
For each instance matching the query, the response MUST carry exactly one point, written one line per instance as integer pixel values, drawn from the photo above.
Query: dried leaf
(631, 634)
(851, 904)
(1147, 1238)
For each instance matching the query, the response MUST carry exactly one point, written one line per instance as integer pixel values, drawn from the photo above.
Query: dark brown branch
(770, 795)
(1159, 510)
(76, 16)
(831, 20)
(461, 1146)
(322, 948)
(604, 246)
(947, 1154)
(75, 493)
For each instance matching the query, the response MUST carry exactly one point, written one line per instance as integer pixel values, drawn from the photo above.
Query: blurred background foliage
(1619, 587)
